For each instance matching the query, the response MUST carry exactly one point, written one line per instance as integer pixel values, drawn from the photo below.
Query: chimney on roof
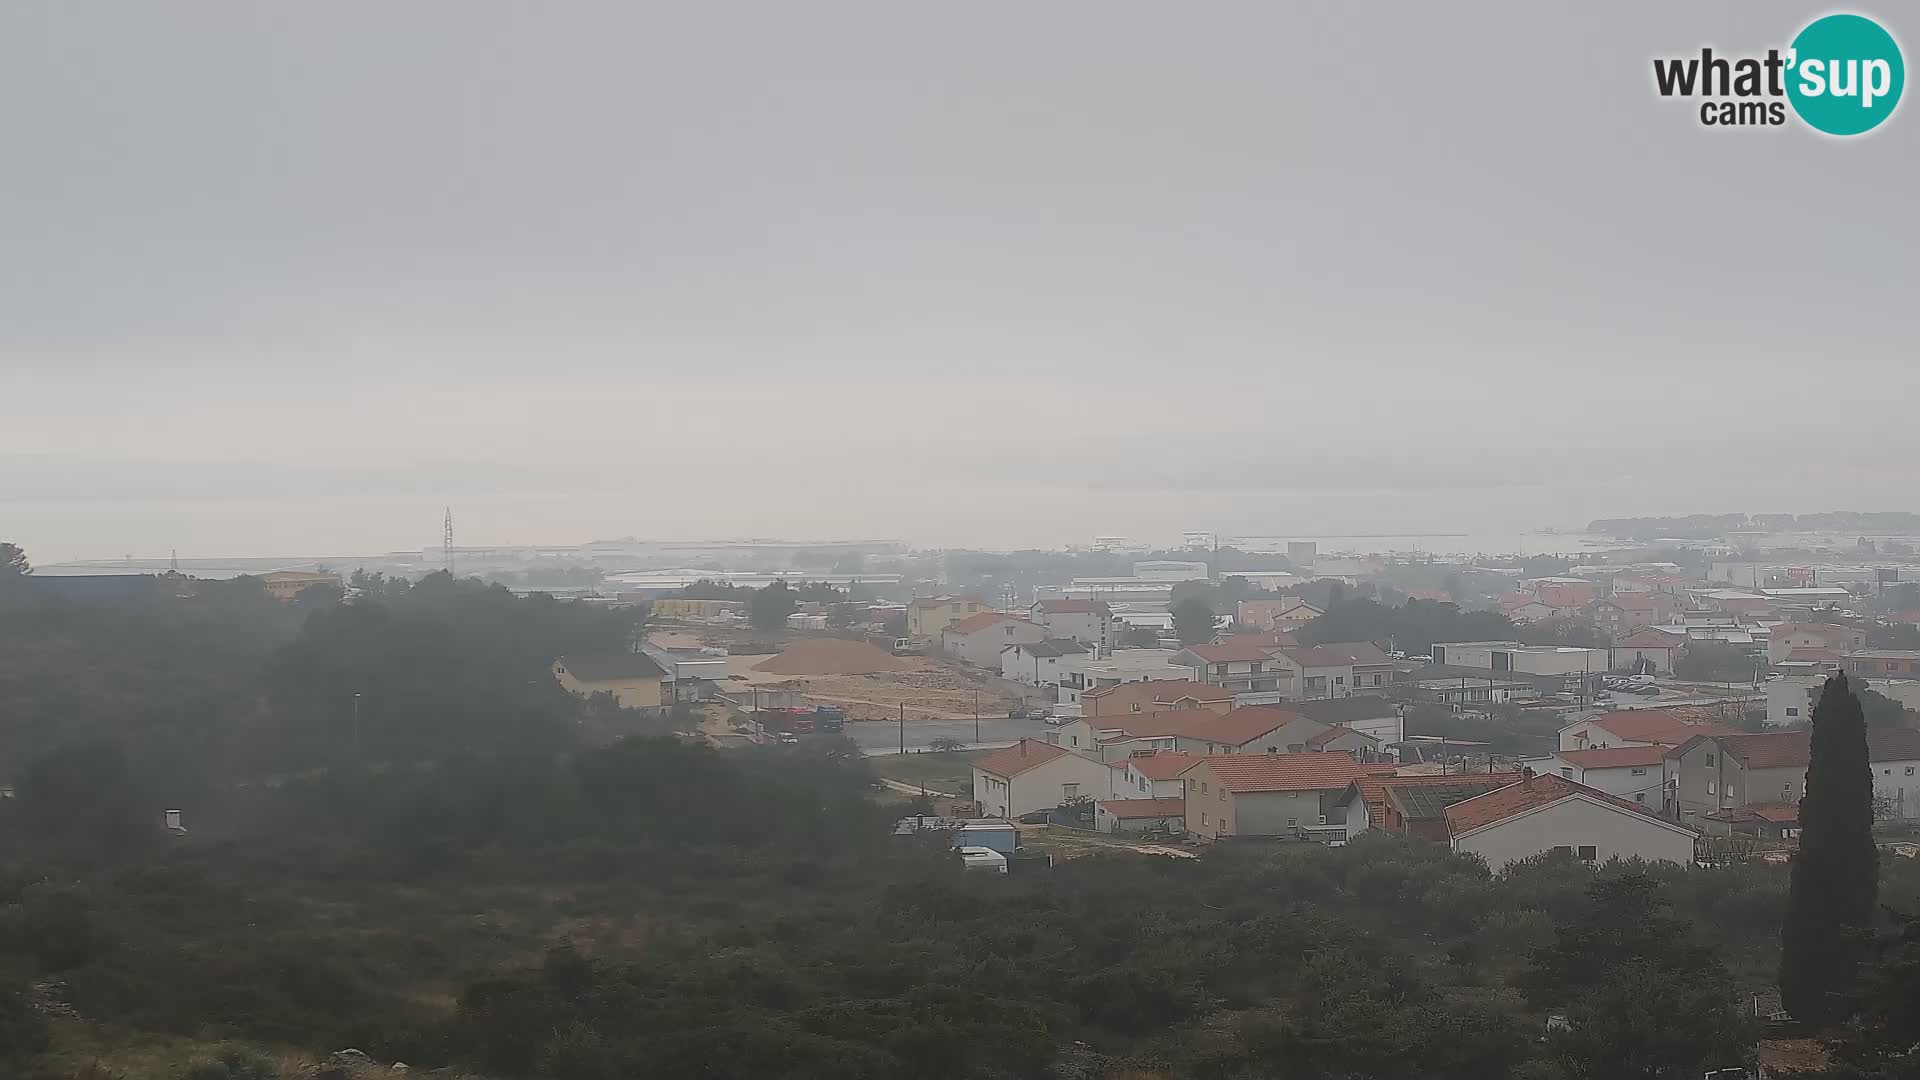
(1023, 748)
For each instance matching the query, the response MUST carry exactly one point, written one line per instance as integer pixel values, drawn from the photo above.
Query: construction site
(863, 680)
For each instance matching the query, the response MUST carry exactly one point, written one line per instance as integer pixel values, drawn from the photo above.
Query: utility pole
(903, 727)
(976, 716)
(356, 726)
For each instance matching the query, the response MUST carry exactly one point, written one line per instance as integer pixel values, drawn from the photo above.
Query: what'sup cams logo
(1842, 75)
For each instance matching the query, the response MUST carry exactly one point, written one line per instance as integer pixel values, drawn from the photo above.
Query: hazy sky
(283, 279)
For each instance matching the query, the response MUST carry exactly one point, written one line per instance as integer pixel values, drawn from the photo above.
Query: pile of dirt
(830, 656)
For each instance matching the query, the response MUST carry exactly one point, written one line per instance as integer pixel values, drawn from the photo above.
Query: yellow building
(632, 678)
(284, 585)
(929, 616)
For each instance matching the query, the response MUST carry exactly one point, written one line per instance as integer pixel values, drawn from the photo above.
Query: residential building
(1645, 651)
(1790, 698)
(1269, 795)
(1033, 775)
(1565, 593)
(1042, 663)
(1338, 669)
(676, 607)
(1634, 773)
(1623, 613)
(1369, 714)
(633, 679)
(978, 639)
(1252, 729)
(1154, 695)
(1524, 659)
(1089, 622)
(1244, 664)
(1247, 730)
(1526, 608)
(1766, 821)
(1117, 669)
(1118, 737)
(1786, 637)
(1632, 727)
(1285, 613)
(1883, 663)
(1708, 774)
(929, 616)
(1549, 813)
(284, 585)
(1141, 815)
(1345, 740)
(1153, 775)
(1412, 805)
(1432, 596)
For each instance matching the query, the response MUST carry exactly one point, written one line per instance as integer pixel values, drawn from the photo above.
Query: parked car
(1057, 721)
(788, 738)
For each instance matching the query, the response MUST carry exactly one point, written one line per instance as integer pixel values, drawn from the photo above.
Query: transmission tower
(446, 541)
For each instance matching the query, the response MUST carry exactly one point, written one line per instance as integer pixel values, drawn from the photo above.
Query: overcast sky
(281, 279)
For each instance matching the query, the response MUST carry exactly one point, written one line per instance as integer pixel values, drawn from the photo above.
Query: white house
(978, 639)
(1089, 622)
(1549, 813)
(1369, 714)
(1042, 663)
(1634, 773)
(1033, 775)
(1123, 666)
(1153, 776)
(1337, 669)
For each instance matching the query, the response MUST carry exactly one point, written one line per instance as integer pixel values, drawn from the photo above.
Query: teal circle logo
(1845, 74)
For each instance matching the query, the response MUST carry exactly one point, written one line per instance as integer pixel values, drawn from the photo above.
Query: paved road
(883, 736)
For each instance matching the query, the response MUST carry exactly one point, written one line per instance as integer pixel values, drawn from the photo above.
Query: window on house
(1339, 680)
(1203, 817)
(1637, 772)
(1070, 790)
(1203, 787)
(1568, 773)
(1639, 796)
(1791, 711)
(1223, 794)
(1292, 822)
(1909, 770)
(1588, 853)
(1710, 789)
(1563, 850)
(1709, 759)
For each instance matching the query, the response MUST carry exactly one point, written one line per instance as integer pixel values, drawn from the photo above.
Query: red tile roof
(1115, 701)
(1772, 749)
(1236, 649)
(1653, 726)
(1151, 725)
(1164, 765)
(1335, 732)
(1778, 813)
(1614, 757)
(1529, 794)
(1242, 725)
(979, 621)
(1250, 773)
(1338, 654)
(1812, 655)
(1893, 744)
(1133, 809)
(1014, 760)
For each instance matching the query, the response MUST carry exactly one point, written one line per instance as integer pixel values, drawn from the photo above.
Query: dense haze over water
(995, 274)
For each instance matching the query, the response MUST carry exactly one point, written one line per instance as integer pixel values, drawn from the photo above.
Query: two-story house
(1042, 663)
(1245, 665)
(1033, 775)
(1634, 773)
(1252, 729)
(1883, 663)
(1089, 622)
(978, 639)
(1338, 669)
(1786, 637)
(929, 616)
(1268, 794)
(1632, 727)
(1153, 775)
(1709, 774)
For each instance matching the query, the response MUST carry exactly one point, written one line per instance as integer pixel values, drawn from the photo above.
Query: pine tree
(1837, 871)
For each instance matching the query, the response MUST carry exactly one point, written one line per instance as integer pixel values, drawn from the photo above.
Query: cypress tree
(1837, 871)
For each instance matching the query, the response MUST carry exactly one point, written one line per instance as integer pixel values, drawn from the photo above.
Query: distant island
(1704, 526)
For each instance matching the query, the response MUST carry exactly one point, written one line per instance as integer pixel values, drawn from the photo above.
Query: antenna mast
(446, 541)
